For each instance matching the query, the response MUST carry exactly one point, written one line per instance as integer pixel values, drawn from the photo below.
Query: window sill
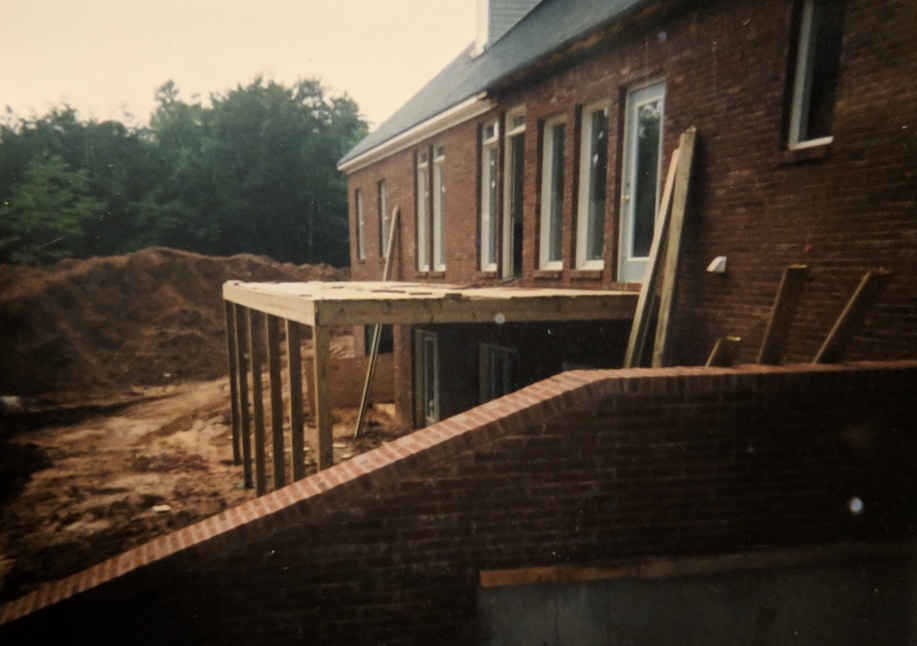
(485, 274)
(807, 154)
(587, 274)
(548, 274)
(436, 274)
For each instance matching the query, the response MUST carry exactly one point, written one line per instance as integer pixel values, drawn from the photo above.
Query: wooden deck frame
(322, 305)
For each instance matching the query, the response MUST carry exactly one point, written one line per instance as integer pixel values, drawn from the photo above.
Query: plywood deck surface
(357, 303)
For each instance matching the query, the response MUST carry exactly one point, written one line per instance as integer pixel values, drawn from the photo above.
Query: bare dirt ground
(124, 432)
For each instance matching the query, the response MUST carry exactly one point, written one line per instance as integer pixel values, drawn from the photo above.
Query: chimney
(496, 17)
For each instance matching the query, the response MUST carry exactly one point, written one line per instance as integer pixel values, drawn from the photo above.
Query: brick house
(766, 504)
(536, 159)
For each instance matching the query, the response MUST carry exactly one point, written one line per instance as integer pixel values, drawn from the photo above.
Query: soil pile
(148, 318)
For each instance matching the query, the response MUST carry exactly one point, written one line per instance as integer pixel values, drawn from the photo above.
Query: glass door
(641, 174)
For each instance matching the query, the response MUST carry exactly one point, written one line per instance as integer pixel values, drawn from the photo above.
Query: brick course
(586, 468)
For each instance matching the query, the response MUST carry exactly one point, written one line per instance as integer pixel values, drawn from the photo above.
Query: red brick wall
(726, 67)
(587, 468)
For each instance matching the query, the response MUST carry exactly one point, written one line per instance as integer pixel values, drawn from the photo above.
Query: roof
(550, 26)
(369, 302)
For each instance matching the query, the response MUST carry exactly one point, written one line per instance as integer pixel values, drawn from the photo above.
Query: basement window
(496, 371)
(817, 72)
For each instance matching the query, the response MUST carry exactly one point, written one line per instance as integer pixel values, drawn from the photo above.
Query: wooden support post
(377, 329)
(241, 316)
(782, 314)
(852, 316)
(321, 346)
(644, 312)
(662, 349)
(233, 358)
(724, 352)
(294, 371)
(255, 344)
(273, 363)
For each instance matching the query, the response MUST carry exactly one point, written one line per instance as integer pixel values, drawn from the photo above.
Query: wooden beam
(642, 316)
(785, 304)
(662, 347)
(852, 317)
(321, 347)
(724, 352)
(241, 316)
(233, 359)
(294, 369)
(255, 344)
(273, 363)
(377, 329)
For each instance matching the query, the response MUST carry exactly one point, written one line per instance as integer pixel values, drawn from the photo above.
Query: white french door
(641, 173)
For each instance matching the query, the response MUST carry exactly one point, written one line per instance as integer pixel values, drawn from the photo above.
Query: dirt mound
(146, 318)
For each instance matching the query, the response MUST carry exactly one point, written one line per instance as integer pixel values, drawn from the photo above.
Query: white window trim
(488, 184)
(585, 184)
(802, 83)
(360, 223)
(382, 203)
(439, 208)
(547, 175)
(423, 211)
(507, 224)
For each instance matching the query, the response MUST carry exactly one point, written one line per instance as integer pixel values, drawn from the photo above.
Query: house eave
(456, 115)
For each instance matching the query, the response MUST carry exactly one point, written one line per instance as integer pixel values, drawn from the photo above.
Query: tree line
(252, 171)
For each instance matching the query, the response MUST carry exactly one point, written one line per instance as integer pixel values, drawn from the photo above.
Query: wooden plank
(785, 303)
(724, 352)
(642, 316)
(377, 328)
(321, 347)
(273, 363)
(851, 318)
(294, 372)
(233, 359)
(255, 352)
(241, 315)
(662, 347)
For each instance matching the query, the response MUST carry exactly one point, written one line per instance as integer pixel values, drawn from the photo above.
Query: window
(497, 371)
(426, 378)
(552, 194)
(513, 185)
(382, 205)
(817, 72)
(593, 174)
(439, 204)
(358, 213)
(490, 155)
(386, 339)
(423, 217)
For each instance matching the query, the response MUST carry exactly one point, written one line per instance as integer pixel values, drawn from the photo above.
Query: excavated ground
(114, 422)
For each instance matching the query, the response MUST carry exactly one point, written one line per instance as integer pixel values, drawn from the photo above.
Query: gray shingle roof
(548, 27)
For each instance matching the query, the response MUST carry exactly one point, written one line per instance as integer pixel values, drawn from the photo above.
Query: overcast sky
(107, 57)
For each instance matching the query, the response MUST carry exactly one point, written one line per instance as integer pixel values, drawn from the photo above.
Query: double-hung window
(513, 193)
(423, 218)
(490, 154)
(593, 175)
(439, 205)
(817, 72)
(360, 224)
(552, 194)
(384, 218)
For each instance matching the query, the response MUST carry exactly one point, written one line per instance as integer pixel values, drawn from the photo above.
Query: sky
(106, 58)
